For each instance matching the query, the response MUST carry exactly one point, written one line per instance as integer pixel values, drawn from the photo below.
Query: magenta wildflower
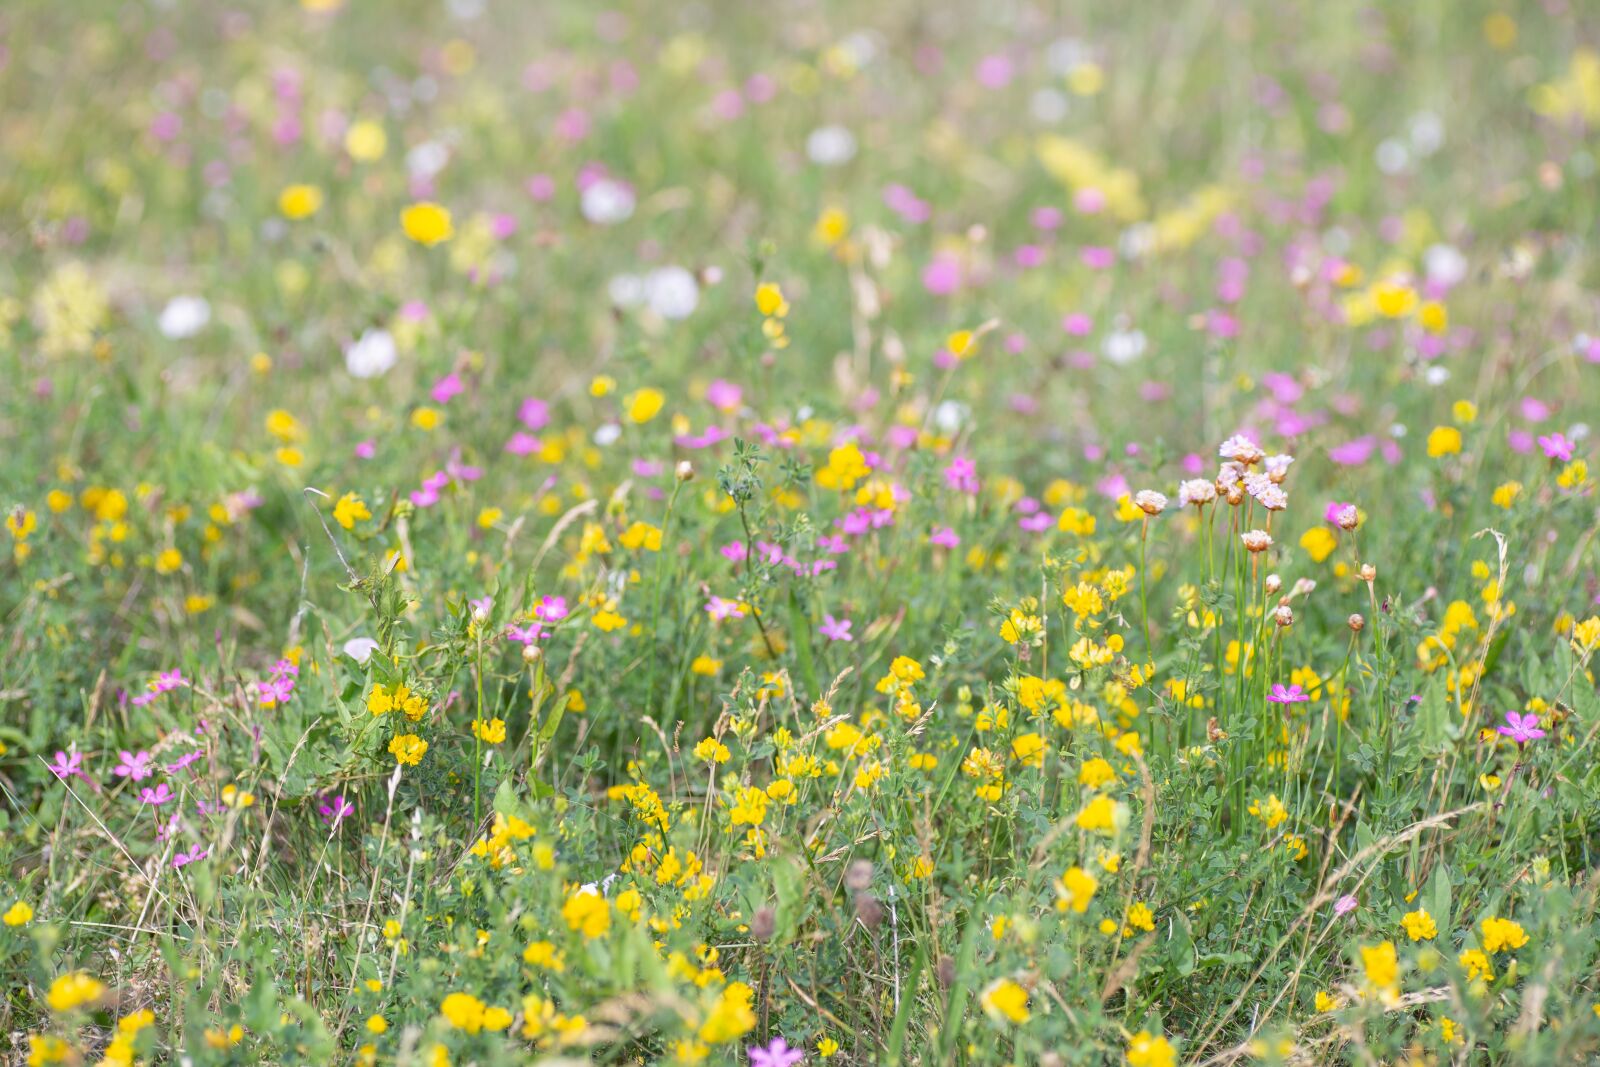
(776, 1054)
(67, 765)
(1556, 446)
(157, 796)
(183, 859)
(1345, 904)
(334, 809)
(134, 765)
(1291, 695)
(720, 608)
(835, 629)
(1521, 728)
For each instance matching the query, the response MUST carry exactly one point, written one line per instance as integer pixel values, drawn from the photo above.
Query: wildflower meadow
(806, 533)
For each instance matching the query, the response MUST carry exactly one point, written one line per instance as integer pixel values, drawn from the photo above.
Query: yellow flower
(1270, 811)
(1477, 965)
(644, 404)
(1075, 890)
(1381, 965)
(18, 914)
(350, 510)
(1029, 750)
(1319, 543)
(770, 301)
(712, 751)
(300, 201)
(426, 223)
(1005, 1000)
(408, 749)
(1147, 1050)
(587, 912)
(827, 1048)
(1098, 815)
(1506, 494)
(1394, 300)
(463, 1011)
(1419, 925)
(831, 228)
(376, 1024)
(1325, 1001)
(169, 561)
(492, 732)
(74, 990)
(366, 141)
(1502, 934)
(1444, 441)
(731, 1017)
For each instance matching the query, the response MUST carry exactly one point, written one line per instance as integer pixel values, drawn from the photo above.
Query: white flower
(672, 292)
(427, 159)
(371, 356)
(1266, 492)
(1241, 450)
(1256, 540)
(1196, 491)
(1150, 502)
(607, 433)
(359, 648)
(607, 202)
(1124, 346)
(1444, 264)
(830, 146)
(950, 416)
(184, 316)
(1278, 467)
(626, 290)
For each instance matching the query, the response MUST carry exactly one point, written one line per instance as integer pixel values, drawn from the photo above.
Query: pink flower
(133, 765)
(1292, 695)
(1345, 905)
(944, 537)
(719, 608)
(446, 387)
(157, 796)
(835, 629)
(1521, 728)
(1556, 446)
(776, 1054)
(67, 766)
(183, 859)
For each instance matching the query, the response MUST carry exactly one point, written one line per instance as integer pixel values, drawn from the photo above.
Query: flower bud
(1284, 616)
(1272, 584)
(1357, 623)
(1368, 573)
(532, 653)
(685, 471)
